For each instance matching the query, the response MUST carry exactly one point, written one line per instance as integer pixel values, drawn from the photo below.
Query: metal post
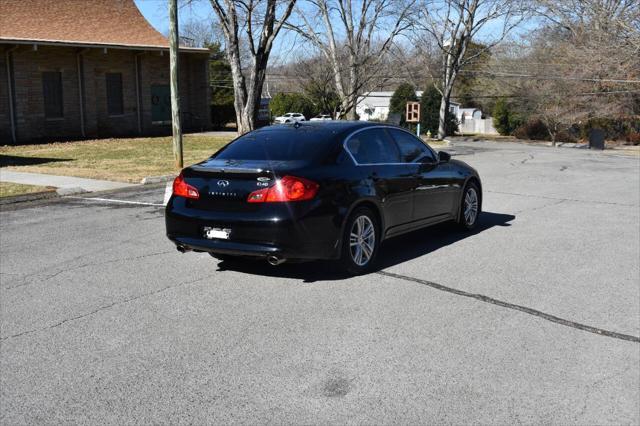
(80, 72)
(10, 89)
(418, 130)
(173, 71)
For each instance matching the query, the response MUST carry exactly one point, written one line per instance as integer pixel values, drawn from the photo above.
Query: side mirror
(444, 157)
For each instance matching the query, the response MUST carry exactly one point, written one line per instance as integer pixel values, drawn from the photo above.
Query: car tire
(360, 242)
(470, 207)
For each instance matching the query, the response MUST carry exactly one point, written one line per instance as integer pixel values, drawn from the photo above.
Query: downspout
(138, 91)
(80, 71)
(12, 100)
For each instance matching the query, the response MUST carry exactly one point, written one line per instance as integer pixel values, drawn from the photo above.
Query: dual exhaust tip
(272, 260)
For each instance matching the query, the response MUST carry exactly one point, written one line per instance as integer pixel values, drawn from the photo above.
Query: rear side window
(285, 144)
(411, 148)
(373, 146)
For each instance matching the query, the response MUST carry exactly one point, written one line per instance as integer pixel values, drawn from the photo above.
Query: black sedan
(330, 190)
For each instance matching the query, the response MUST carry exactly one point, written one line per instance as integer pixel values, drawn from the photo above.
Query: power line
(552, 77)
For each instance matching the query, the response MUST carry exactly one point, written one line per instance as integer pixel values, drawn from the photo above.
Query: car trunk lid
(224, 185)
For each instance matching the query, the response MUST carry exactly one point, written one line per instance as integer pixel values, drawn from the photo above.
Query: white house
(463, 114)
(375, 105)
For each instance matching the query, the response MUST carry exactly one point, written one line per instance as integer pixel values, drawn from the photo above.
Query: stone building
(91, 68)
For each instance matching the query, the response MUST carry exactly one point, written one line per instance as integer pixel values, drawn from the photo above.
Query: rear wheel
(360, 242)
(469, 207)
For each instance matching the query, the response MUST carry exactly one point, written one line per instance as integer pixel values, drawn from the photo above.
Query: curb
(157, 179)
(54, 195)
(28, 197)
(71, 191)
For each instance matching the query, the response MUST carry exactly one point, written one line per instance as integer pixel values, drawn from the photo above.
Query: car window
(279, 144)
(373, 146)
(411, 148)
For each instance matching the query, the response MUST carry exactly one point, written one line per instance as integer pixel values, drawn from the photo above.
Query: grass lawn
(124, 160)
(8, 189)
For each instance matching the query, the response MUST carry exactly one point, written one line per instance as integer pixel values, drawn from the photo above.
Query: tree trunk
(444, 107)
(351, 107)
(442, 118)
(447, 87)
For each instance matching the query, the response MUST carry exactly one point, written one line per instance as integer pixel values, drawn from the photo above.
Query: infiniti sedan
(332, 190)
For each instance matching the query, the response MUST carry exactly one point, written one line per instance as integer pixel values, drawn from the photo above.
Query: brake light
(289, 188)
(183, 189)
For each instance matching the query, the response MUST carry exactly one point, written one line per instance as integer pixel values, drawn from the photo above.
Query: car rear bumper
(287, 230)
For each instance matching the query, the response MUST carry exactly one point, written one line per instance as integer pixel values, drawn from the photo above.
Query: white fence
(478, 125)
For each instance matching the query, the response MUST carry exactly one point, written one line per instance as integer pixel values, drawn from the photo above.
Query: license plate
(217, 233)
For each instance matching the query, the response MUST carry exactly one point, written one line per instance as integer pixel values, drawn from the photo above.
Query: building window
(52, 94)
(114, 93)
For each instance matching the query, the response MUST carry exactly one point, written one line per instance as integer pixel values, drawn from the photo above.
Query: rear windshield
(286, 144)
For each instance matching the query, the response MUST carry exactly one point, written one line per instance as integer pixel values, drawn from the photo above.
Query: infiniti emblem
(223, 183)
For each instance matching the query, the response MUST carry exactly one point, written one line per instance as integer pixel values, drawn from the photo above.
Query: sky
(286, 47)
(156, 12)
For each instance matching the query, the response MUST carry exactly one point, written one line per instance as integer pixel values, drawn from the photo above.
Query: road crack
(84, 265)
(563, 199)
(526, 310)
(102, 308)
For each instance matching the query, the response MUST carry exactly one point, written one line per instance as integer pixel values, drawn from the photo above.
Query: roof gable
(103, 22)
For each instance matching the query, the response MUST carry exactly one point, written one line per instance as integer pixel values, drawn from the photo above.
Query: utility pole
(173, 71)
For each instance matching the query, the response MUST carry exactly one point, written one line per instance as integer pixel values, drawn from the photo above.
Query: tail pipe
(275, 260)
(182, 249)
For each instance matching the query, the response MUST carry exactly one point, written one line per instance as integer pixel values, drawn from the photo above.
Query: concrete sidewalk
(60, 182)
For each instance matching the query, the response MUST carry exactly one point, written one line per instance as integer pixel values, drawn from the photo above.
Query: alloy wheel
(470, 206)
(362, 239)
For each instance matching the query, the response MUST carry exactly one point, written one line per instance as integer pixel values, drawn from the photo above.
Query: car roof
(334, 128)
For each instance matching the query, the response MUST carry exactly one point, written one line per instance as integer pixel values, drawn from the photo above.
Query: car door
(434, 194)
(378, 157)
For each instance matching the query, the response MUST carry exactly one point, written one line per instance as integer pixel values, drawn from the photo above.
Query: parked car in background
(322, 117)
(290, 117)
(318, 191)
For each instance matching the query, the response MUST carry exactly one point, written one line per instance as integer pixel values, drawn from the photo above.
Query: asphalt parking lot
(533, 318)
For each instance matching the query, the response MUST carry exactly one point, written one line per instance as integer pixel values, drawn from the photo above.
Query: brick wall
(28, 65)
(194, 87)
(153, 69)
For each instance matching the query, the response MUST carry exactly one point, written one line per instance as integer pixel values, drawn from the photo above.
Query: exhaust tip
(182, 249)
(275, 260)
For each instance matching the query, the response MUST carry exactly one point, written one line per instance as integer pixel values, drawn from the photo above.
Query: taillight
(289, 188)
(183, 189)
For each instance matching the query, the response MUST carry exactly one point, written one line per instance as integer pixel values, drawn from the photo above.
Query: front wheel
(469, 207)
(360, 242)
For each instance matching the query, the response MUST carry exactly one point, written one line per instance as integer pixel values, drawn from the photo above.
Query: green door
(160, 104)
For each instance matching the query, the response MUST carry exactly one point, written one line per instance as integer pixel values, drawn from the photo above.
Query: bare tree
(453, 24)
(353, 36)
(254, 24)
(198, 33)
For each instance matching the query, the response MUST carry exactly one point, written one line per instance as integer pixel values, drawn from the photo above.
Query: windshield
(288, 144)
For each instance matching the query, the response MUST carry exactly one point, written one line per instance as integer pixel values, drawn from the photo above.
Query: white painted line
(110, 200)
(168, 192)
